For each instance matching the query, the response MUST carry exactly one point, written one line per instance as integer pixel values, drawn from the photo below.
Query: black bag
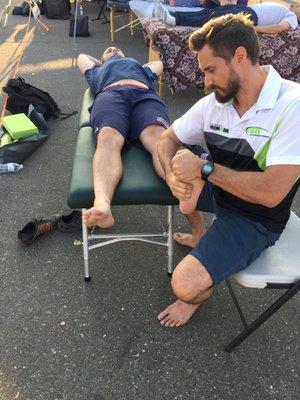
(21, 10)
(57, 9)
(82, 27)
(22, 94)
(18, 151)
(24, 9)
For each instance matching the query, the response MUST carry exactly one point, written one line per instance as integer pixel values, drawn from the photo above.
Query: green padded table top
(139, 184)
(88, 99)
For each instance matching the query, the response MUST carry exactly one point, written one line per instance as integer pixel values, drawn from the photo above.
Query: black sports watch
(207, 169)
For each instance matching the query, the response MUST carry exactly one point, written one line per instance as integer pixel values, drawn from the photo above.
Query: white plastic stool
(278, 267)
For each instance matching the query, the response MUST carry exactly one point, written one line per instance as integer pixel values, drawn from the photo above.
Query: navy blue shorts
(232, 242)
(128, 110)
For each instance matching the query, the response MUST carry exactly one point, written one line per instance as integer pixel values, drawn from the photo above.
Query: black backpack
(57, 9)
(22, 94)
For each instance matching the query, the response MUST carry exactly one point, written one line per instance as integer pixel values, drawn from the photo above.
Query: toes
(174, 323)
(165, 321)
(163, 314)
(169, 322)
(86, 214)
(177, 234)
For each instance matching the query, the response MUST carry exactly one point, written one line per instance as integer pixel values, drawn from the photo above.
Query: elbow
(81, 58)
(273, 201)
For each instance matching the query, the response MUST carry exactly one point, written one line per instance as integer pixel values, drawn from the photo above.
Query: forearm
(94, 60)
(271, 29)
(266, 188)
(85, 62)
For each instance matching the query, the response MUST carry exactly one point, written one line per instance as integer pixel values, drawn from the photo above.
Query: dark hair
(225, 34)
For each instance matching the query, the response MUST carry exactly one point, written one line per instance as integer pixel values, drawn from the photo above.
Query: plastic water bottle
(10, 167)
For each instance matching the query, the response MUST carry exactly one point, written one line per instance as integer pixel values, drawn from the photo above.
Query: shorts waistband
(126, 86)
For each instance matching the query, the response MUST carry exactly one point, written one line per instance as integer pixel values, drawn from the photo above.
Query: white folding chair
(277, 268)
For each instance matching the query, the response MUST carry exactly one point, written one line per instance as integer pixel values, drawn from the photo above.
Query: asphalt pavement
(64, 339)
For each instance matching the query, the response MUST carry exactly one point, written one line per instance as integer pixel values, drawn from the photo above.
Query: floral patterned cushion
(181, 67)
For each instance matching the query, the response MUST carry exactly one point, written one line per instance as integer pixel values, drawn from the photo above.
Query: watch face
(207, 168)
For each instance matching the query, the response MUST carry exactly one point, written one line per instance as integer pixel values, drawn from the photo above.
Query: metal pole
(75, 23)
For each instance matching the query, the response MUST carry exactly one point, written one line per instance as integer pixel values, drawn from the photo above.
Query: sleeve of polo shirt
(152, 75)
(89, 75)
(189, 128)
(285, 143)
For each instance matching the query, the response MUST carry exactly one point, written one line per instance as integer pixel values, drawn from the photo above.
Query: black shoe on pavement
(36, 228)
(71, 222)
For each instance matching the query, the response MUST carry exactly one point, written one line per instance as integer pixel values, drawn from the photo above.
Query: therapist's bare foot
(188, 206)
(177, 314)
(186, 239)
(198, 228)
(99, 215)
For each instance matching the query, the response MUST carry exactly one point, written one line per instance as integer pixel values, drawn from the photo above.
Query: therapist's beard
(227, 93)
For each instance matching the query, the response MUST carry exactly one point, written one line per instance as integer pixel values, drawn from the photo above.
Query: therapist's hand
(186, 166)
(181, 190)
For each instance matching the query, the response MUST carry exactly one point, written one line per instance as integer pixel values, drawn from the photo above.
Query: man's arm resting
(156, 67)
(86, 62)
(273, 29)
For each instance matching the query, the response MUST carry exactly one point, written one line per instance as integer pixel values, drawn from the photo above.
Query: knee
(188, 286)
(183, 290)
(150, 138)
(110, 139)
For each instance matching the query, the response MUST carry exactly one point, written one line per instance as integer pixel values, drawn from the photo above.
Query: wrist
(207, 170)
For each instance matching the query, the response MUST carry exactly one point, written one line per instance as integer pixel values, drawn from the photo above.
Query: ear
(240, 55)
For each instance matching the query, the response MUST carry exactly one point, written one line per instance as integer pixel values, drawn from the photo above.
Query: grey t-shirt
(271, 13)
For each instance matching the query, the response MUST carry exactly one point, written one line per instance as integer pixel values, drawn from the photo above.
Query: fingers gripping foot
(98, 216)
(188, 206)
(177, 314)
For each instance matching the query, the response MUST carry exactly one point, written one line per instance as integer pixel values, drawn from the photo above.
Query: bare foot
(177, 314)
(188, 206)
(197, 224)
(186, 239)
(100, 216)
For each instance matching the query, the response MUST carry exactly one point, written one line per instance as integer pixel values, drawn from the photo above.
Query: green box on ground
(19, 126)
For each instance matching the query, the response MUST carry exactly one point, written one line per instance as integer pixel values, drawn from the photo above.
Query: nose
(207, 81)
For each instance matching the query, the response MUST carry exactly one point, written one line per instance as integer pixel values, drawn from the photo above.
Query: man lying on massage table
(126, 108)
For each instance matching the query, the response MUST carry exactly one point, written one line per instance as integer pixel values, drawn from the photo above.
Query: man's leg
(231, 244)
(191, 283)
(149, 138)
(107, 171)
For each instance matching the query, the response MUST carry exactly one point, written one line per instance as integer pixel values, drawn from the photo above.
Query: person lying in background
(198, 3)
(268, 17)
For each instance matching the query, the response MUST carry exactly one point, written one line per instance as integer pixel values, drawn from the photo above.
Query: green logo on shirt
(256, 131)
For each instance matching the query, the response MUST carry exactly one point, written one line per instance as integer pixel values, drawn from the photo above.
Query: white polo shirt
(267, 134)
